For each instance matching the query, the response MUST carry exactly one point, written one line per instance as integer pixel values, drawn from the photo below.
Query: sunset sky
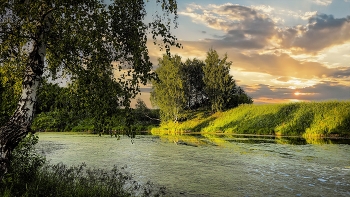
(281, 51)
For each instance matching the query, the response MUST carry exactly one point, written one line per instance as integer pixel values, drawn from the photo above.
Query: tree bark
(19, 124)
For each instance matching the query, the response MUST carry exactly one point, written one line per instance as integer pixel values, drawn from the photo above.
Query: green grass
(292, 119)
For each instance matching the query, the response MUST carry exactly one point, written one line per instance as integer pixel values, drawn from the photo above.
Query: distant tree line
(195, 84)
(83, 105)
(80, 107)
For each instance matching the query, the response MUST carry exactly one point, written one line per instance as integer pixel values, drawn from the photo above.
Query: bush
(24, 167)
(45, 122)
(60, 180)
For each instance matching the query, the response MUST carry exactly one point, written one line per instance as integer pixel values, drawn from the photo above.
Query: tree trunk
(19, 124)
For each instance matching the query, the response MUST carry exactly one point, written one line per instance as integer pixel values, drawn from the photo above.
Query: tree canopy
(10, 89)
(76, 37)
(219, 84)
(168, 91)
(192, 72)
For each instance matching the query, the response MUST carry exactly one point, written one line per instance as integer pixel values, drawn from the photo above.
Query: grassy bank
(301, 119)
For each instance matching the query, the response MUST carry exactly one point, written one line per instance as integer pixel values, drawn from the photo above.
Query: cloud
(283, 79)
(308, 15)
(244, 27)
(326, 91)
(322, 31)
(263, 93)
(264, 8)
(252, 30)
(323, 91)
(322, 2)
(281, 65)
(341, 72)
(254, 27)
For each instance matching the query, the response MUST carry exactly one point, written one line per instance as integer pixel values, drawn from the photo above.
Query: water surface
(212, 165)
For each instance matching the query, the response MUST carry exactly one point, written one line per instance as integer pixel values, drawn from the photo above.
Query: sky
(281, 50)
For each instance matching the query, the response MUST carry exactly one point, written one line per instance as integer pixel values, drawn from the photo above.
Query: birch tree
(72, 37)
(218, 82)
(193, 74)
(220, 87)
(168, 92)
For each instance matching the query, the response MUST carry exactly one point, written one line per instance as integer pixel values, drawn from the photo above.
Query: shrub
(24, 167)
(60, 180)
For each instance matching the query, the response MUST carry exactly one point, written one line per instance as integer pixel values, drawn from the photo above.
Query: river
(214, 165)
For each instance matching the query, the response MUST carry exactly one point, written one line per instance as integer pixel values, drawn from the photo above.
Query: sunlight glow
(294, 100)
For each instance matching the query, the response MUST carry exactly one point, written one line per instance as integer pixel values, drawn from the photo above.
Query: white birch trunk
(19, 124)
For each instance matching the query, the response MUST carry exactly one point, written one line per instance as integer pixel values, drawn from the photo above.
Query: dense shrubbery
(60, 121)
(25, 167)
(308, 119)
(71, 109)
(30, 175)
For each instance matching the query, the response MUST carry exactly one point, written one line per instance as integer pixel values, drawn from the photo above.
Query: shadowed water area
(214, 165)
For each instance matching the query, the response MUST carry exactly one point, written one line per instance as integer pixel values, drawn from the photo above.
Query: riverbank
(312, 119)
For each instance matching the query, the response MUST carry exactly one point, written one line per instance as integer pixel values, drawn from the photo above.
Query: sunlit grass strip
(196, 124)
(308, 119)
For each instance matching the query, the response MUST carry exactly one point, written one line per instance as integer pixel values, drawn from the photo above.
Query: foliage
(145, 116)
(100, 46)
(238, 96)
(50, 97)
(62, 108)
(168, 92)
(59, 120)
(96, 102)
(220, 87)
(141, 107)
(85, 39)
(25, 166)
(193, 85)
(218, 81)
(82, 35)
(193, 74)
(10, 90)
(307, 119)
(47, 122)
(88, 108)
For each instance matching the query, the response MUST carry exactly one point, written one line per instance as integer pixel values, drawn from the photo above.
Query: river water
(214, 165)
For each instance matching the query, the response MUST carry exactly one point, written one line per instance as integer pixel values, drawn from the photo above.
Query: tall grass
(292, 119)
(60, 180)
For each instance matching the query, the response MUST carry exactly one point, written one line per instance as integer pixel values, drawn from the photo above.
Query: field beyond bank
(323, 119)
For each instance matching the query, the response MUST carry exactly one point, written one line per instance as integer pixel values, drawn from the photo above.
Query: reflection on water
(214, 165)
(220, 139)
